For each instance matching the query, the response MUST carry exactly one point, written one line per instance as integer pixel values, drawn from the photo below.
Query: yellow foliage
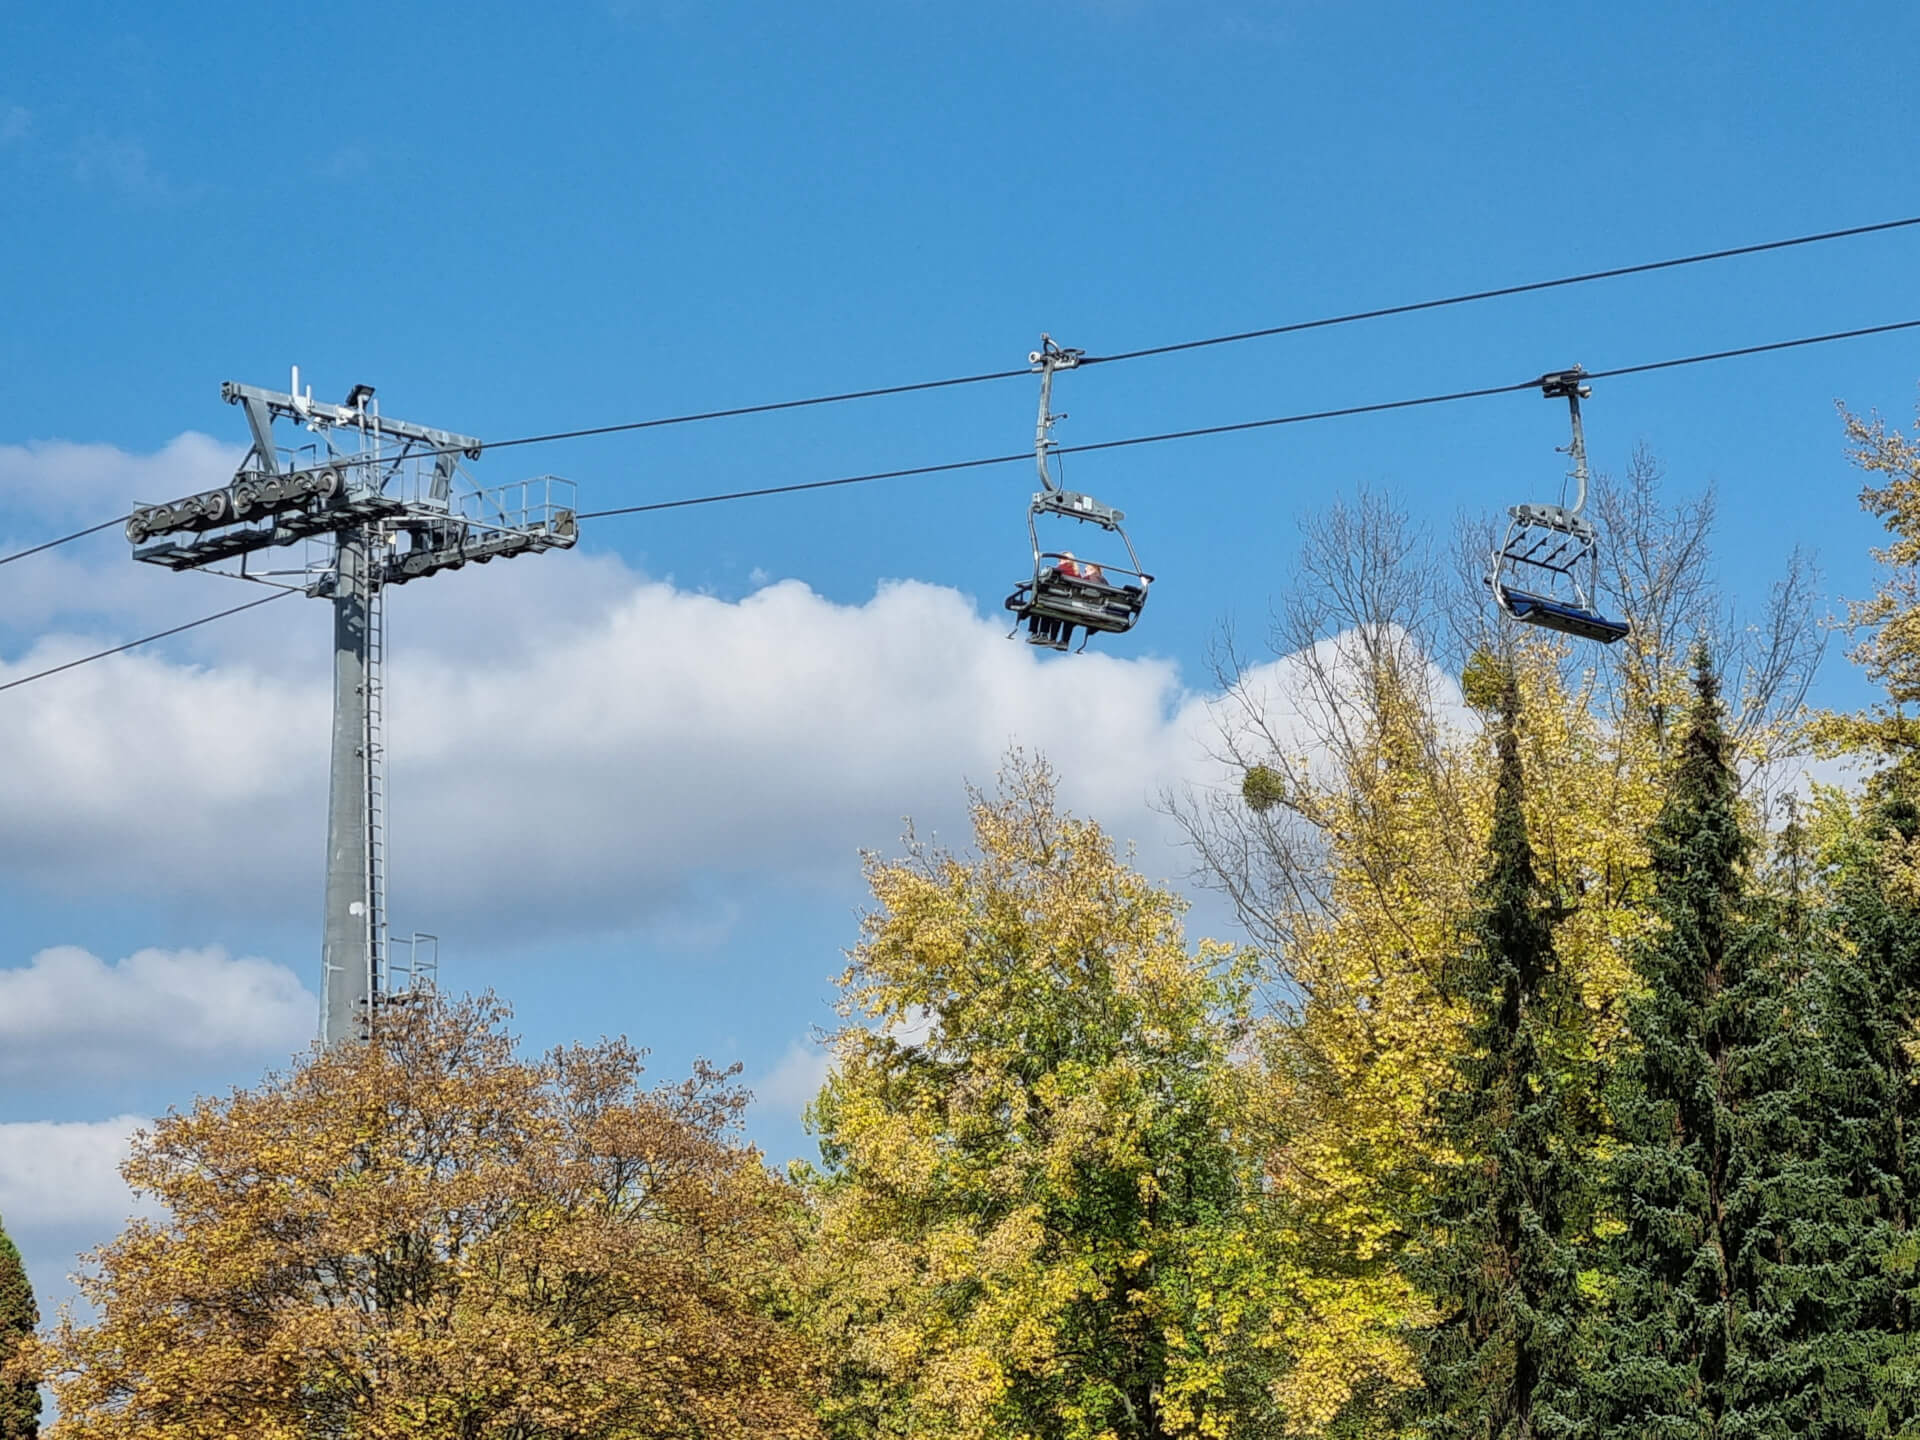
(1038, 1215)
(1886, 626)
(1354, 1068)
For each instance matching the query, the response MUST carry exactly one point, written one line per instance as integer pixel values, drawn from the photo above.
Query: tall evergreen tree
(1702, 1302)
(1499, 1363)
(1868, 996)
(19, 1399)
(1866, 1003)
(1787, 1215)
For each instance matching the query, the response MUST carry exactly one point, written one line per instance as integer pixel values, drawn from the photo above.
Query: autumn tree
(1353, 846)
(1512, 1189)
(428, 1236)
(1038, 1212)
(1656, 564)
(19, 1314)
(1348, 830)
(1886, 626)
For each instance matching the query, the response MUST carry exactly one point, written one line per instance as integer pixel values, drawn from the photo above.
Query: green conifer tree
(19, 1399)
(1500, 1361)
(1787, 1216)
(1866, 1002)
(1867, 1008)
(1707, 1182)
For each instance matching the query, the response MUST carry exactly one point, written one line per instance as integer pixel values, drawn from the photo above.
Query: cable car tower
(1066, 590)
(377, 502)
(1546, 571)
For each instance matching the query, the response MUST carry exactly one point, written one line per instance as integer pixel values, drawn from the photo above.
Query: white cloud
(140, 775)
(782, 730)
(571, 744)
(795, 1079)
(69, 1015)
(66, 1174)
(586, 773)
(58, 477)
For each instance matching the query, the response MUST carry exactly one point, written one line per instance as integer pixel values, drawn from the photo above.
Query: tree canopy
(1038, 1216)
(428, 1236)
(19, 1314)
(1566, 1091)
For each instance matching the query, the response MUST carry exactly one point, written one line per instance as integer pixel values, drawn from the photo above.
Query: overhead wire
(1500, 292)
(148, 639)
(1374, 408)
(63, 540)
(1303, 417)
(1739, 351)
(1292, 327)
(767, 408)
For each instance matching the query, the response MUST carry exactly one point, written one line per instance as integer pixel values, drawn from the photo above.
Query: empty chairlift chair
(1546, 570)
(1067, 591)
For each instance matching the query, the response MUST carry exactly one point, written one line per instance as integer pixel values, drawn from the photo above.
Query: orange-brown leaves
(426, 1236)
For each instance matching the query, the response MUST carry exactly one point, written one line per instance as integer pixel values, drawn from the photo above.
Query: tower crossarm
(286, 529)
(523, 518)
(279, 405)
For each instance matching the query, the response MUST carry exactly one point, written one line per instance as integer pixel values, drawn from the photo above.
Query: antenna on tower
(302, 404)
(377, 502)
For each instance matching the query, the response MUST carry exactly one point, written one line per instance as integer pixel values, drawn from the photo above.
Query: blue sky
(630, 782)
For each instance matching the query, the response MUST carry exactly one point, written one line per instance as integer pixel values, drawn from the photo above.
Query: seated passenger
(1074, 569)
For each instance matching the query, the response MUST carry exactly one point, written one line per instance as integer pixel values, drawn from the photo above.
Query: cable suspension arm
(1047, 359)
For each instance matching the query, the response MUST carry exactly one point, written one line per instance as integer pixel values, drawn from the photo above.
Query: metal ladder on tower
(375, 751)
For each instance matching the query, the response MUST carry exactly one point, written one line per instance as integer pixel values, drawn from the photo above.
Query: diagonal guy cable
(148, 639)
(63, 540)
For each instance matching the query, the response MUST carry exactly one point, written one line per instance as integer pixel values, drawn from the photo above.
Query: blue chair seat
(1551, 614)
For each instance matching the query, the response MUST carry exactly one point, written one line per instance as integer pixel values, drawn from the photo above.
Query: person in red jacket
(1080, 569)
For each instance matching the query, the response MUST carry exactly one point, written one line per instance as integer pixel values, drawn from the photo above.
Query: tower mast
(377, 496)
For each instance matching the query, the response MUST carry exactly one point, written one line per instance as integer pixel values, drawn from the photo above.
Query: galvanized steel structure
(376, 502)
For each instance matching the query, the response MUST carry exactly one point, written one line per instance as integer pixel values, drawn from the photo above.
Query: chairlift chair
(1065, 590)
(1546, 571)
